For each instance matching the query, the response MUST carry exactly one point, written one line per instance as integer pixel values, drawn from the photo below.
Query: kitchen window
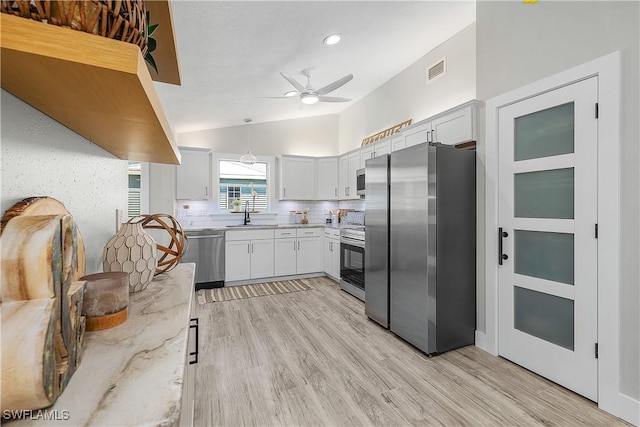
(134, 200)
(247, 183)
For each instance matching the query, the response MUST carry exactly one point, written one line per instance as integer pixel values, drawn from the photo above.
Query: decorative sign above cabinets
(385, 133)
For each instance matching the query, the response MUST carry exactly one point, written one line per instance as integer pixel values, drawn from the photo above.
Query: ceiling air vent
(436, 70)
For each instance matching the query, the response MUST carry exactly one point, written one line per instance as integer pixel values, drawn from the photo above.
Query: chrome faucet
(247, 218)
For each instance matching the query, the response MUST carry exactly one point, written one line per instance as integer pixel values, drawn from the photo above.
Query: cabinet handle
(252, 248)
(331, 246)
(294, 245)
(298, 244)
(195, 325)
(284, 192)
(248, 248)
(335, 191)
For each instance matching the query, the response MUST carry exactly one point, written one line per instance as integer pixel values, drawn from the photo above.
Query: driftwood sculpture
(41, 305)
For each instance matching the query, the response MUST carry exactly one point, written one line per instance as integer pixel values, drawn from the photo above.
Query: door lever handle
(501, 256)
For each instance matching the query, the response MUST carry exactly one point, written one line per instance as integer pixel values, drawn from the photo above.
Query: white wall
(41, 157)
(311, 136)
(407, 95)
(519, 44)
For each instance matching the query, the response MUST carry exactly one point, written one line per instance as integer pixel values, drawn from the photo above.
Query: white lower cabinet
(249, 254)
(285, 256)
(309, 256)
(298, 251)
(187, 407)
(332, 253)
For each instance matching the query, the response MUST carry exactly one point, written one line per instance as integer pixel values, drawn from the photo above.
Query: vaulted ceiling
(231, 53)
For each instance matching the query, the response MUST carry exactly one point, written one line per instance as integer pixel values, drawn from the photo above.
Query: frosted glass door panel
(545, 316)
(544, 194)
(544, 255)
(544, 133)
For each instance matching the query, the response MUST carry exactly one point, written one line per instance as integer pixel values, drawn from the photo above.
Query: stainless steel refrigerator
(420, 242)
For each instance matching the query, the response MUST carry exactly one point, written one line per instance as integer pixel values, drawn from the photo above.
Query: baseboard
(624, 407)
(481, 340)
(272, 279)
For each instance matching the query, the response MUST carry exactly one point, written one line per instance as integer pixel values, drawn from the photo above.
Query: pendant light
(248, 159)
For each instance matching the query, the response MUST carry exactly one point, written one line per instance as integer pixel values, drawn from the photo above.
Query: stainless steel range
(352, 254)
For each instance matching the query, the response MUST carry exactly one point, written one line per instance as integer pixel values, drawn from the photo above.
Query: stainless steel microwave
(360, 182)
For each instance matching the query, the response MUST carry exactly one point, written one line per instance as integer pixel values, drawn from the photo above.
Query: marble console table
(132, 375)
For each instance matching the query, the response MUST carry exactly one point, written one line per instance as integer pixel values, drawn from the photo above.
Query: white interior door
(548, 215)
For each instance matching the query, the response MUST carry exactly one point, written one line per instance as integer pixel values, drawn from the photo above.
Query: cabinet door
(367, 152)
(237, 262)
(331, 254)
(354, 165)
(343, 176)
(397, 143)
(261, 258)
(417, 135)
(297, 178)
(335, 258)
(383, 148)
(193, 175)
(454, 127)
(327, 183)
(285, 256)
(310, 255)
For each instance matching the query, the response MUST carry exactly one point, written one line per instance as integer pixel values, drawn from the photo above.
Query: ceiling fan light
(332, 39)
(309, 98)
(290, 93)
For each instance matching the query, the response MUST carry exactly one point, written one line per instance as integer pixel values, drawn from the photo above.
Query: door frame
(607, 68)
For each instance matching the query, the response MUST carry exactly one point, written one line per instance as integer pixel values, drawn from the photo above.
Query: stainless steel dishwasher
(206, 249)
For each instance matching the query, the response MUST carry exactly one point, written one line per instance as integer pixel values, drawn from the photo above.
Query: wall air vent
(436, 70)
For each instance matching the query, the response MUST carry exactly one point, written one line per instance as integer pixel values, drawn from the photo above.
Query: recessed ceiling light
(332, 39)
(291, 93)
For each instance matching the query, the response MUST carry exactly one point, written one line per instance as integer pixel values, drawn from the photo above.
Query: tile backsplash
(202, 213)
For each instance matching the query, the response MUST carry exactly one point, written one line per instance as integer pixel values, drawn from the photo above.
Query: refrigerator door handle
(501, 256)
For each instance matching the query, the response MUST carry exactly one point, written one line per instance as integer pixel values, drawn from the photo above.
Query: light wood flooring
(312, 358)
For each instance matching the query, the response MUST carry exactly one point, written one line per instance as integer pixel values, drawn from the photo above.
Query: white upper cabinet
(348, 165)
(367, 152)
(373, 150)
(397, 143)
(418, 134)
(382, 147)
(327, 181)
(455, 127)
(193, 175)
(297, 178)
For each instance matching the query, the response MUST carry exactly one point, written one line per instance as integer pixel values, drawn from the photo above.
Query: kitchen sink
(250, 225)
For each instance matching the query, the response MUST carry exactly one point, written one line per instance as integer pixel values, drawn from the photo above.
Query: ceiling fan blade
(294, 83)
(335, 85)
(333, 99)
(279, 97)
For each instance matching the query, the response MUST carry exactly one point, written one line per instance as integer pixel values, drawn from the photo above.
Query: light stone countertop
(131, 375)
(256, 227)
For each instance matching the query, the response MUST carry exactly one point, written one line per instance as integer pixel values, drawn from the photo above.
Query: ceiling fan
(309, 95)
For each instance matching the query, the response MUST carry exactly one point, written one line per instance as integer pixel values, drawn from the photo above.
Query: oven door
(352, 267)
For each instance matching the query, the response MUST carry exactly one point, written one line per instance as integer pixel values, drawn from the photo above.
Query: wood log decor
(41, 306)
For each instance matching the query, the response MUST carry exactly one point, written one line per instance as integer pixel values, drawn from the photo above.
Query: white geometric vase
(133, 251)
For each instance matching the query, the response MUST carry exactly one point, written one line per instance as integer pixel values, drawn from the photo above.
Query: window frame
(271, 179)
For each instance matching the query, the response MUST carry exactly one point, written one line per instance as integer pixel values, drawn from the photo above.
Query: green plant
(236, 202)
(151, 44)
